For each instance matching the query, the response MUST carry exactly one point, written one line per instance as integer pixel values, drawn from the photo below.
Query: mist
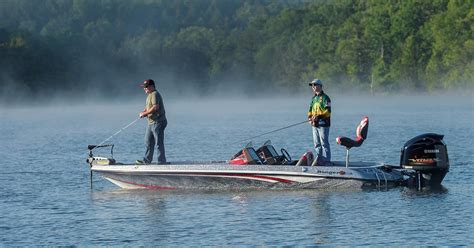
(100, 50)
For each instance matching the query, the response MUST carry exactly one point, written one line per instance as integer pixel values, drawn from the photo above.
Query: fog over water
(225, 118)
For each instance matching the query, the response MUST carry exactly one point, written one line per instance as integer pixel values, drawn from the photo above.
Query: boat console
(266, 154)
(270, 156)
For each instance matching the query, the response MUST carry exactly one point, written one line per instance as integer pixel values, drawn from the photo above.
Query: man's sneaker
(139, 162)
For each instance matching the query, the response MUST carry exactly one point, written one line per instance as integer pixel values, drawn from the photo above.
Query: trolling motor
(91, 160)
(102, 160)
(426, 158)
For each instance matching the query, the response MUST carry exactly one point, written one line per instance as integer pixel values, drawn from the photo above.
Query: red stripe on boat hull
(242, 176)
(281, 180)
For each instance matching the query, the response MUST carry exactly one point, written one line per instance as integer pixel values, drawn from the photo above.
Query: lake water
(46, 199)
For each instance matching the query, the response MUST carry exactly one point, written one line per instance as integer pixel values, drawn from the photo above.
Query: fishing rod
(101, 144)
(119, 131)
(276, 130)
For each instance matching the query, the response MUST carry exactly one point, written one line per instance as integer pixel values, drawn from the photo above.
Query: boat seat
(361, 135)
(246, 156)
(306, 159)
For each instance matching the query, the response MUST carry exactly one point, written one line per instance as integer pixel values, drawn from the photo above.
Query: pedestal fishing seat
(361, 135)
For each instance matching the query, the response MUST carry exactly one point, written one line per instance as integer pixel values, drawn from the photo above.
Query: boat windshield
(254, 155)
(272, 151)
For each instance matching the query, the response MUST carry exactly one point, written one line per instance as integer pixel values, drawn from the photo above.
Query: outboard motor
(427, 156)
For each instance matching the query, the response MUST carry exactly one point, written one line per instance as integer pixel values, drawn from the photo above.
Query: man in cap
(319, 116)
(155, 113)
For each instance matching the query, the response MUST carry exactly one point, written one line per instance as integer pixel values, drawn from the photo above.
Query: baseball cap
(147, 83)
(316, 81)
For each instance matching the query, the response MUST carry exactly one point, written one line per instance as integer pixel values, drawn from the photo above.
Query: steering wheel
(286, 156)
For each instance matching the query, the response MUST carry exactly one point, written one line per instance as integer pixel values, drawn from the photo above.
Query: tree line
(368, 45)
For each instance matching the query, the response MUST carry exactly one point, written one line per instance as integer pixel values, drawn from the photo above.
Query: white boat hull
(225, 176)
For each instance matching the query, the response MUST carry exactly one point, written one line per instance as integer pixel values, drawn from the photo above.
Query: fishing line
(119, 131)
(276, 130)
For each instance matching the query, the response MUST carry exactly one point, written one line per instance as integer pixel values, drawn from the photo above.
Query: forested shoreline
(50, 46)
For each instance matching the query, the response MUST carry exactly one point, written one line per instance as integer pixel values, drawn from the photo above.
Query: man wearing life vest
(319, 116)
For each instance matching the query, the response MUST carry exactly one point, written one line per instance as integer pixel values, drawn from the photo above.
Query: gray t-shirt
(154, 98)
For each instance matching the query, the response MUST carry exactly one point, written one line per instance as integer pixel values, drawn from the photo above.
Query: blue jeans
(321, 145)
(155, 134)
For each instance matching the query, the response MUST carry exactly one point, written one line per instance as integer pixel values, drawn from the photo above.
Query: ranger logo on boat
(333, 172)
(432, 151)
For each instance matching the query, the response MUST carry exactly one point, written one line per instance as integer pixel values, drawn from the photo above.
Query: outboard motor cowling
(427, 155)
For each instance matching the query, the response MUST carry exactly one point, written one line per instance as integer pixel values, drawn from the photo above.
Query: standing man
(319, 116)
(155, 131)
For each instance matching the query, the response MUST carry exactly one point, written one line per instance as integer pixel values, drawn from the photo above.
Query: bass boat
(423, 163)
